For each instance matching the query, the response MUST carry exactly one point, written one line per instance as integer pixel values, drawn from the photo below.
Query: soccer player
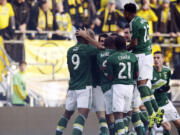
(121, 68)
(104, 82)
(98, 104)
(139, 113)
(141, 46)
(80, 85)
(160, 86)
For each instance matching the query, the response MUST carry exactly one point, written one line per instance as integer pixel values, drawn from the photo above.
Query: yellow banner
(44, 56)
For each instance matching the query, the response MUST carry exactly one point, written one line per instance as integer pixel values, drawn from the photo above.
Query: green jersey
(95, 72)
(122, 66)
(160, 79)
(139, 29)
(102, 60)
(79, 58)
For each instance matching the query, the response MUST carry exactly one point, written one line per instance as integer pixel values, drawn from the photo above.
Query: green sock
(119, 126)
(143, 118)
(178, 131)
(166, 132)
(146, 98)
(61, 125)
(103, 126)
(78, 125)
(126, 124)
(111, 129)
(137, 123)
(153, 102)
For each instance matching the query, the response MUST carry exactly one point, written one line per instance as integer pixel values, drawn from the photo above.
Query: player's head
(129, 11)
(158, 59)
(114, 35)
(178, 1)
(127, 34)
(120, 43)
(109, 43)
(22, 66)
(102, 38)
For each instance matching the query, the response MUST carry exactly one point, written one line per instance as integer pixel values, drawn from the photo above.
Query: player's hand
(178, 34)
(27, 100)
(81, 33)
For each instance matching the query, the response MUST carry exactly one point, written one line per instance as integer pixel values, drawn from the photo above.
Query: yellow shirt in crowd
(150, 16)
(6, 11)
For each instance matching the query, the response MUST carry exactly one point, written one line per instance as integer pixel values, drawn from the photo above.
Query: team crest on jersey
(76, 48)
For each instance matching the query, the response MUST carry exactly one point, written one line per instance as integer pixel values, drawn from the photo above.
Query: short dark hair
(22, 62)
(159, 52)
(120, 43)
(130, 7)
(114, 34)
(108, 41)
(104, 35)
(81, 40)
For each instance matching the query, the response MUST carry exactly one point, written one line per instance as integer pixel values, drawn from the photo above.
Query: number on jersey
(75, 61)
(124, 68)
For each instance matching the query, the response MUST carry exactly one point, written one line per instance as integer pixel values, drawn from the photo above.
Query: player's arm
(84, 34)
(133, 44)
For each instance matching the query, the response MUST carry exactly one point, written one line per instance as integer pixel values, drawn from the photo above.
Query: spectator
(147, 13)
(43, 19)
(109, 19)
(82, 12)
(164, 24)
(63, 22)
(20, 96)
(7, 21)
(22, 14)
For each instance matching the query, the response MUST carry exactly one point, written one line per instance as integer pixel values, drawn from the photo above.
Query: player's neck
(159, 68)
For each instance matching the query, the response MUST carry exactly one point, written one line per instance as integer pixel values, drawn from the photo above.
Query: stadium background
(44, 49)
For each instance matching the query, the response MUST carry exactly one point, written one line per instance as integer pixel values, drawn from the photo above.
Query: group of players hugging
(119, 82)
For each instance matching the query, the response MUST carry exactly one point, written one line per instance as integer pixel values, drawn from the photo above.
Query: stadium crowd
(103, 16)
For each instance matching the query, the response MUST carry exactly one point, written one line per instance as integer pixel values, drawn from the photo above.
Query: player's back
(102, 61)
(79, 65)
(139, 29)
(123, 66)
